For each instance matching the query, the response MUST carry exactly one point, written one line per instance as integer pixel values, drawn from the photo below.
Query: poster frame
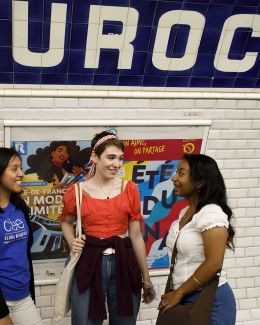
(9, 124)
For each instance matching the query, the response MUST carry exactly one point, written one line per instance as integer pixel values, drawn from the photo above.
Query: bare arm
(214, 241)
(140, 253)
(6, 321)
(76, 244)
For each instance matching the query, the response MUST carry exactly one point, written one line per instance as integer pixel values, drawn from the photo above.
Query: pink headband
(92, 169)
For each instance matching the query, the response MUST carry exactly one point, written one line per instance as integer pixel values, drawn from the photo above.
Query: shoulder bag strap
(169, 283)
(78, 197)
(174, 254)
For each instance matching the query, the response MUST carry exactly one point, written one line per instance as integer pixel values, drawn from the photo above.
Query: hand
(169, 300)
(148, 293)
(78, 244)
(6, 321)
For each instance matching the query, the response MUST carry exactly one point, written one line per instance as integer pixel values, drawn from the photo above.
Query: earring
(121, 172)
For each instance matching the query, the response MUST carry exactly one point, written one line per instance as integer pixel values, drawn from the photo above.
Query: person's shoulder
(129, 182)
(129, 188)
(210, 216)
(129, 185)
(71, 188)
(70, 191)
(211, 208)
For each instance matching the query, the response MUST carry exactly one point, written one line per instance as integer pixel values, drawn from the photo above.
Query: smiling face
(109, 162)
(183, 184)
(11, 179)
(60, 155)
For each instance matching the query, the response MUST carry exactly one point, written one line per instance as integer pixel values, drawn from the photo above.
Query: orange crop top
(104, 218)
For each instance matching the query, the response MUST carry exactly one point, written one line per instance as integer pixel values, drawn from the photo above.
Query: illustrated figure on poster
(58, 160)
(112, 266)
(202, 234)
(16, 271)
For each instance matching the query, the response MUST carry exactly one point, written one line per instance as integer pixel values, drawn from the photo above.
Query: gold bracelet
(196, 280)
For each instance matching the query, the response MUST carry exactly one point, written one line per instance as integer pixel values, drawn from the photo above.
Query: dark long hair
(110, 142)
(212, 190)
(6, 154)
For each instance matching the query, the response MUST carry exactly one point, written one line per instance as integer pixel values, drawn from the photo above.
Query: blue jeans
(80, 302)
(224, 307)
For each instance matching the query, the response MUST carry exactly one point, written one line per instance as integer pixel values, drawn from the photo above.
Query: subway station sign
(136, 43)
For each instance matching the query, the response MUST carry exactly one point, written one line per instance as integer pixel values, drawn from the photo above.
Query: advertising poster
(50, 167)
(150, 160)
(150, 164)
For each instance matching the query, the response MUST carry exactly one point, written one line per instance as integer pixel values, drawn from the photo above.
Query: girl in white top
(204, 232)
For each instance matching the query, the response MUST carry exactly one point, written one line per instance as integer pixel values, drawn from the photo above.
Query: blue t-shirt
(14, 264)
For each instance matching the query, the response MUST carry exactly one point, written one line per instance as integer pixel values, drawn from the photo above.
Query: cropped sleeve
(210, 216)
(69, 203)
(4, 311)
(135, 204)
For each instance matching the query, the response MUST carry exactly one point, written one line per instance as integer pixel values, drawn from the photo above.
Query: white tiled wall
(234, 141)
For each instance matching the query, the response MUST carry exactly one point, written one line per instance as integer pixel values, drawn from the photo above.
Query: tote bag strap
(78, 197)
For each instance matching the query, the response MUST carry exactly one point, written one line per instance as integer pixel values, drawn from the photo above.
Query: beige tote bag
(63, 287)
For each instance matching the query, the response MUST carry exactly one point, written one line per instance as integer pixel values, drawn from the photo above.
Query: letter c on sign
(221, 61)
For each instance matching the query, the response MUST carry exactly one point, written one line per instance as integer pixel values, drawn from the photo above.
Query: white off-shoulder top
(190, 244)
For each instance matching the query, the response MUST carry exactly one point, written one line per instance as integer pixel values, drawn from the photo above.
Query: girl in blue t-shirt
(16, 273)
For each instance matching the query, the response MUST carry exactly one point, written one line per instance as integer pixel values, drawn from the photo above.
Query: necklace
(107, 194)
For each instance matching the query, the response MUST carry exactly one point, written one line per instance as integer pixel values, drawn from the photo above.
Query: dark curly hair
(41, 162)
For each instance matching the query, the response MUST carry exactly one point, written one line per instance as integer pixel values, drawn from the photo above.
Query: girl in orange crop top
(110, 207)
